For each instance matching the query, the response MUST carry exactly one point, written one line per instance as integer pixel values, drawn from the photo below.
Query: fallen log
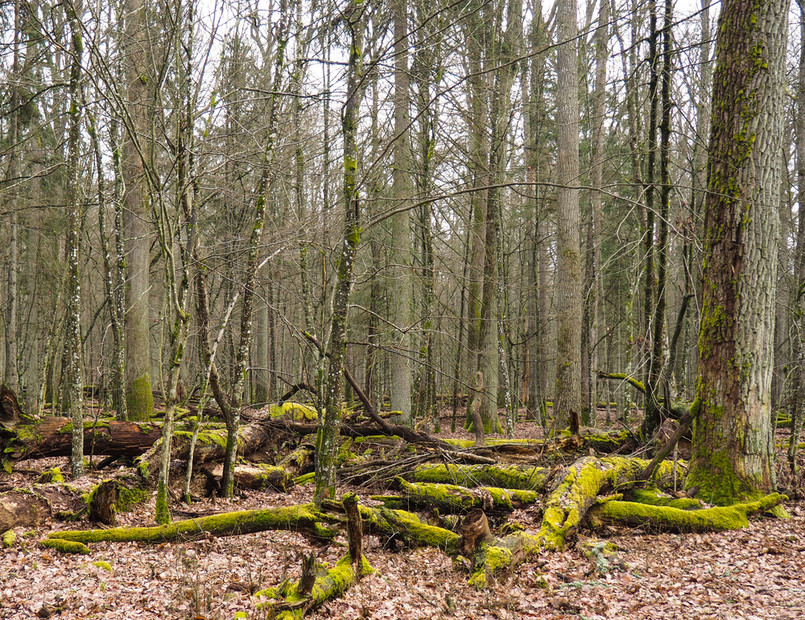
(303, 518)
(452, 498)
(670, 519)
(52, 437)
(506, 476)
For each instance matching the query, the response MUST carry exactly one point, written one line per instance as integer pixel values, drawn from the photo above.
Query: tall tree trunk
(593, 279)
(72, 340)
(567, 396)
(328, 430)
(797, 414)
(139, 396)
(733, 442)
(400, 291)
(11, 375)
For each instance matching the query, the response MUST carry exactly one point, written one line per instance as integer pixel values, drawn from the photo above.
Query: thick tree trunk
(733, 441)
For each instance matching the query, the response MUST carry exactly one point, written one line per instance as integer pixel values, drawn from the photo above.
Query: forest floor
(757, 572)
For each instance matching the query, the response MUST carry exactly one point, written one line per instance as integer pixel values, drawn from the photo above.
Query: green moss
(103, 564)
(65, 546)
(294, 411)
(652, 497)
(140, 399)
(305, 479)
(407, 526)
(129, 498)
(718, 482)
(9, 538)
(53, 476)
(505, 476)
(454, 498)
(329, 584)
(665, 518)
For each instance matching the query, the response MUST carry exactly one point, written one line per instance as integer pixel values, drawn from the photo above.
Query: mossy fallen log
(504, 476)
(577, 488)
(290, 603)
(65, 546)
(407, 527)
(670, 519)
(453, 498)
(303, 518)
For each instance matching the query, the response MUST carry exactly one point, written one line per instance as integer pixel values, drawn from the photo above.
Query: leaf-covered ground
(758, 572)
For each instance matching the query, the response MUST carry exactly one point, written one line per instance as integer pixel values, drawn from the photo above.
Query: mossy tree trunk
(733, 445)
(567, 395)
(72, 340)
(328, 431)
(139, 397)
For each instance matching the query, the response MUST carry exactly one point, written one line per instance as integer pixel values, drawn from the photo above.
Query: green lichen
(65, 546)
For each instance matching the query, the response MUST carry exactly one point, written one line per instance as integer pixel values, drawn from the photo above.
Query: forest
(402, 309)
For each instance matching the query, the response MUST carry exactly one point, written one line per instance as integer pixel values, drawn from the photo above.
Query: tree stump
(103, 504)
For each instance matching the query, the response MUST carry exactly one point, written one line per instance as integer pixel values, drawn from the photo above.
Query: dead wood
(473, 531)
(22, 508)
(354, 529)
(103, 503)
(303, 518)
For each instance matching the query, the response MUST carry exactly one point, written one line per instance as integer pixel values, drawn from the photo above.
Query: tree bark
(733, 441)
(567, 395)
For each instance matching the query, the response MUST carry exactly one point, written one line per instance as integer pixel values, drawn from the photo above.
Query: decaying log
(473, 531)
(103, 503)
(22, 508)
(10, 412)
(304, 519)
(354, 529)
(451, 498)
(52, 437)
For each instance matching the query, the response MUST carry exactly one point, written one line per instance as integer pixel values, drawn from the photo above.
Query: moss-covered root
(507, 477)
(407, 527)
(577, 490)
(65, 546)
(290, 602)
(451, 498)
(303, 518)
(668, 519)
